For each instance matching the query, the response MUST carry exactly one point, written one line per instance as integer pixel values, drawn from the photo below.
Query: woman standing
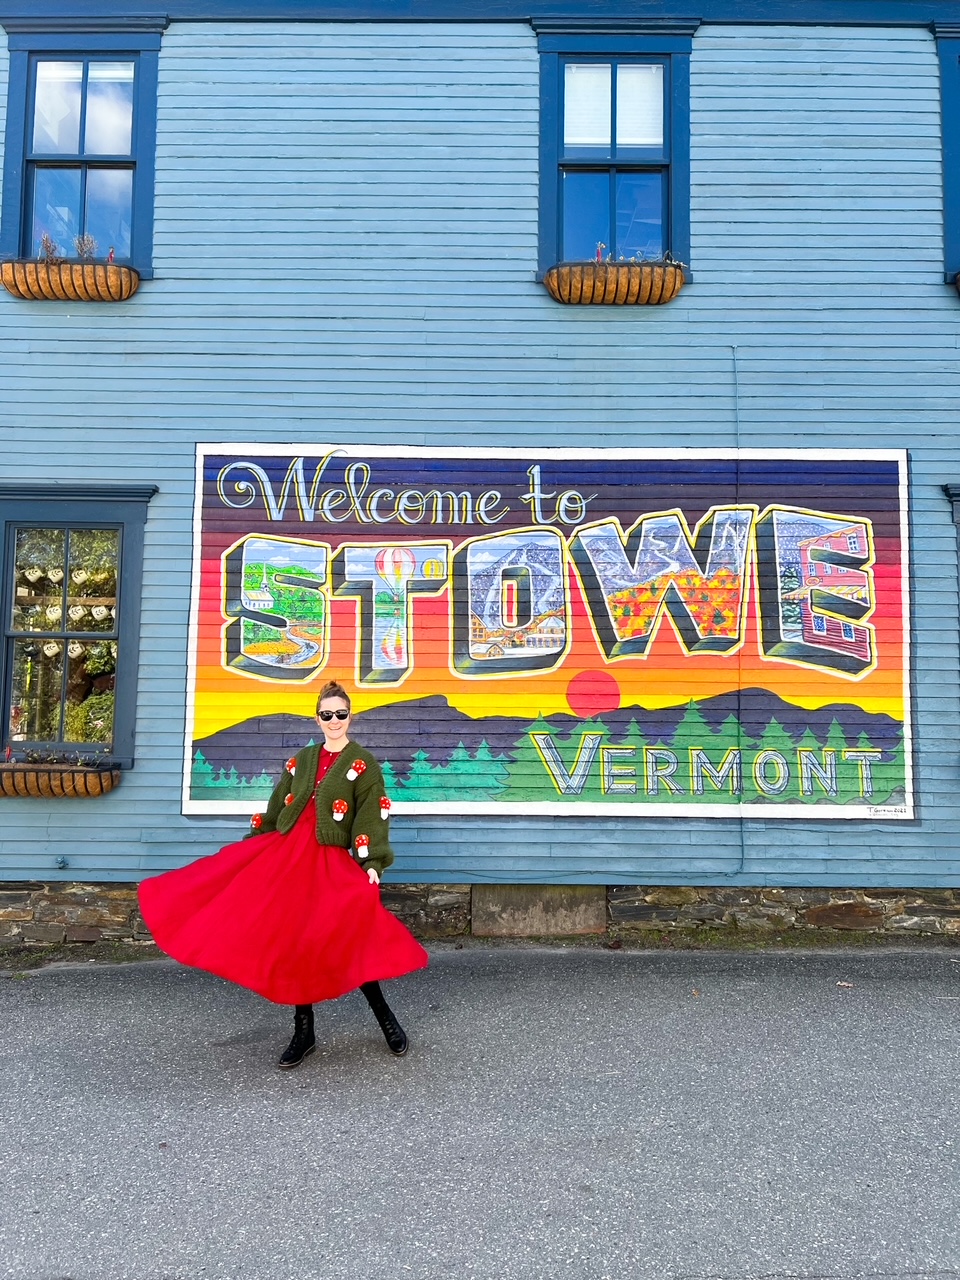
(293, 911)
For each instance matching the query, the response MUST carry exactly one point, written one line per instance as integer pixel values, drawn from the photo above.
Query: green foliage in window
(92, 719)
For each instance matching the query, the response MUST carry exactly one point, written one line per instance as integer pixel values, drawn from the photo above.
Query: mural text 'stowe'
(592, 631)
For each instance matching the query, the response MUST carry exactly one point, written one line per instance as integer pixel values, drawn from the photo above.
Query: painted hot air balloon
(396, 566)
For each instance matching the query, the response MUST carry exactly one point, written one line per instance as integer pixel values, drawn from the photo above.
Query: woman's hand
(373, 875)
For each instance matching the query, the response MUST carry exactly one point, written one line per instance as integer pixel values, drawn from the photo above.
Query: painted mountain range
(397, 733)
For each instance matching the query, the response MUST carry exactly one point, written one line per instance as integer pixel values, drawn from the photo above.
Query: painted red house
(840, 580)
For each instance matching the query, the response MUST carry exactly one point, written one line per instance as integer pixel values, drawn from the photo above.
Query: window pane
(92, 583)
(586, 213)
(639, 215)
(36, 691)
(56, 109)
(108, 128)
(586, 105)
(639, 106)
(38, 580)
(90, 697)
(56, 209)
(109, 210)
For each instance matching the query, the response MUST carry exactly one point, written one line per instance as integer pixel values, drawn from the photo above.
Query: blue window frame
(71, 575)
(80, 145)
(948, 49)
(614, 144)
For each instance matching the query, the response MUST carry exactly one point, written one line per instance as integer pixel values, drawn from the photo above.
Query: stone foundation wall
(32, 913)
(902, 911)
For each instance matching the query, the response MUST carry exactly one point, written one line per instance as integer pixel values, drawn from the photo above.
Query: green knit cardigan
(363, 828)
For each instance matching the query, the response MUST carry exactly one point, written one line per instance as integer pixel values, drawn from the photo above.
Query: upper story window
(80, 157)
(614, 144)
(614, 160)
(948, 50)
(80, 146)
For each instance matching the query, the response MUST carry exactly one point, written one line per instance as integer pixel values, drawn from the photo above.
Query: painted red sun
(591, 693)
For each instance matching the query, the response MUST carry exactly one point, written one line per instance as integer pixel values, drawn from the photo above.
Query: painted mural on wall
(591, 632)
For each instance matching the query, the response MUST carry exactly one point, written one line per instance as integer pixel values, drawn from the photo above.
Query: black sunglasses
(325, 716)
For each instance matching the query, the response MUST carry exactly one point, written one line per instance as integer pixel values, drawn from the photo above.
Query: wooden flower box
(616, 283)
(69, 281)
(58, 781)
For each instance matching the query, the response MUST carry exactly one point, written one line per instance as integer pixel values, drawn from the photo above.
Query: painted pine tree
(224, 785)
(201, 774)
(637, 739)
(466, 777)
(493, 766)
(693, 730)
(264, 784)
(836, 738)
(733, 734)
(633, 737)
(422, 783)
(391, 783)
(773, 738)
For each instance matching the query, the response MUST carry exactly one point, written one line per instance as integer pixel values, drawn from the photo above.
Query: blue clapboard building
(276, 226)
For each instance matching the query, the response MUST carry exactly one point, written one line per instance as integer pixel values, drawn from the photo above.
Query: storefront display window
(71, 614)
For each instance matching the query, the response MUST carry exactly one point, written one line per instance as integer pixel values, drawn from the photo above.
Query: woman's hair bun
(333, 690)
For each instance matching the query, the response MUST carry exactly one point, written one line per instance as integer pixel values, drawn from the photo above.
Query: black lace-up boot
(393, 1033)
(303, 1042)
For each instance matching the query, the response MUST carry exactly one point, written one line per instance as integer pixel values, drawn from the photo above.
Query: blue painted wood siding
(345, 247)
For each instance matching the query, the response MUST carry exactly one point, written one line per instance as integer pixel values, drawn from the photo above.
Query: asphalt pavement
(562, 1113)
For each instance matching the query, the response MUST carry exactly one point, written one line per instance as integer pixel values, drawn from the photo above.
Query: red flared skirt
(296, 921)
